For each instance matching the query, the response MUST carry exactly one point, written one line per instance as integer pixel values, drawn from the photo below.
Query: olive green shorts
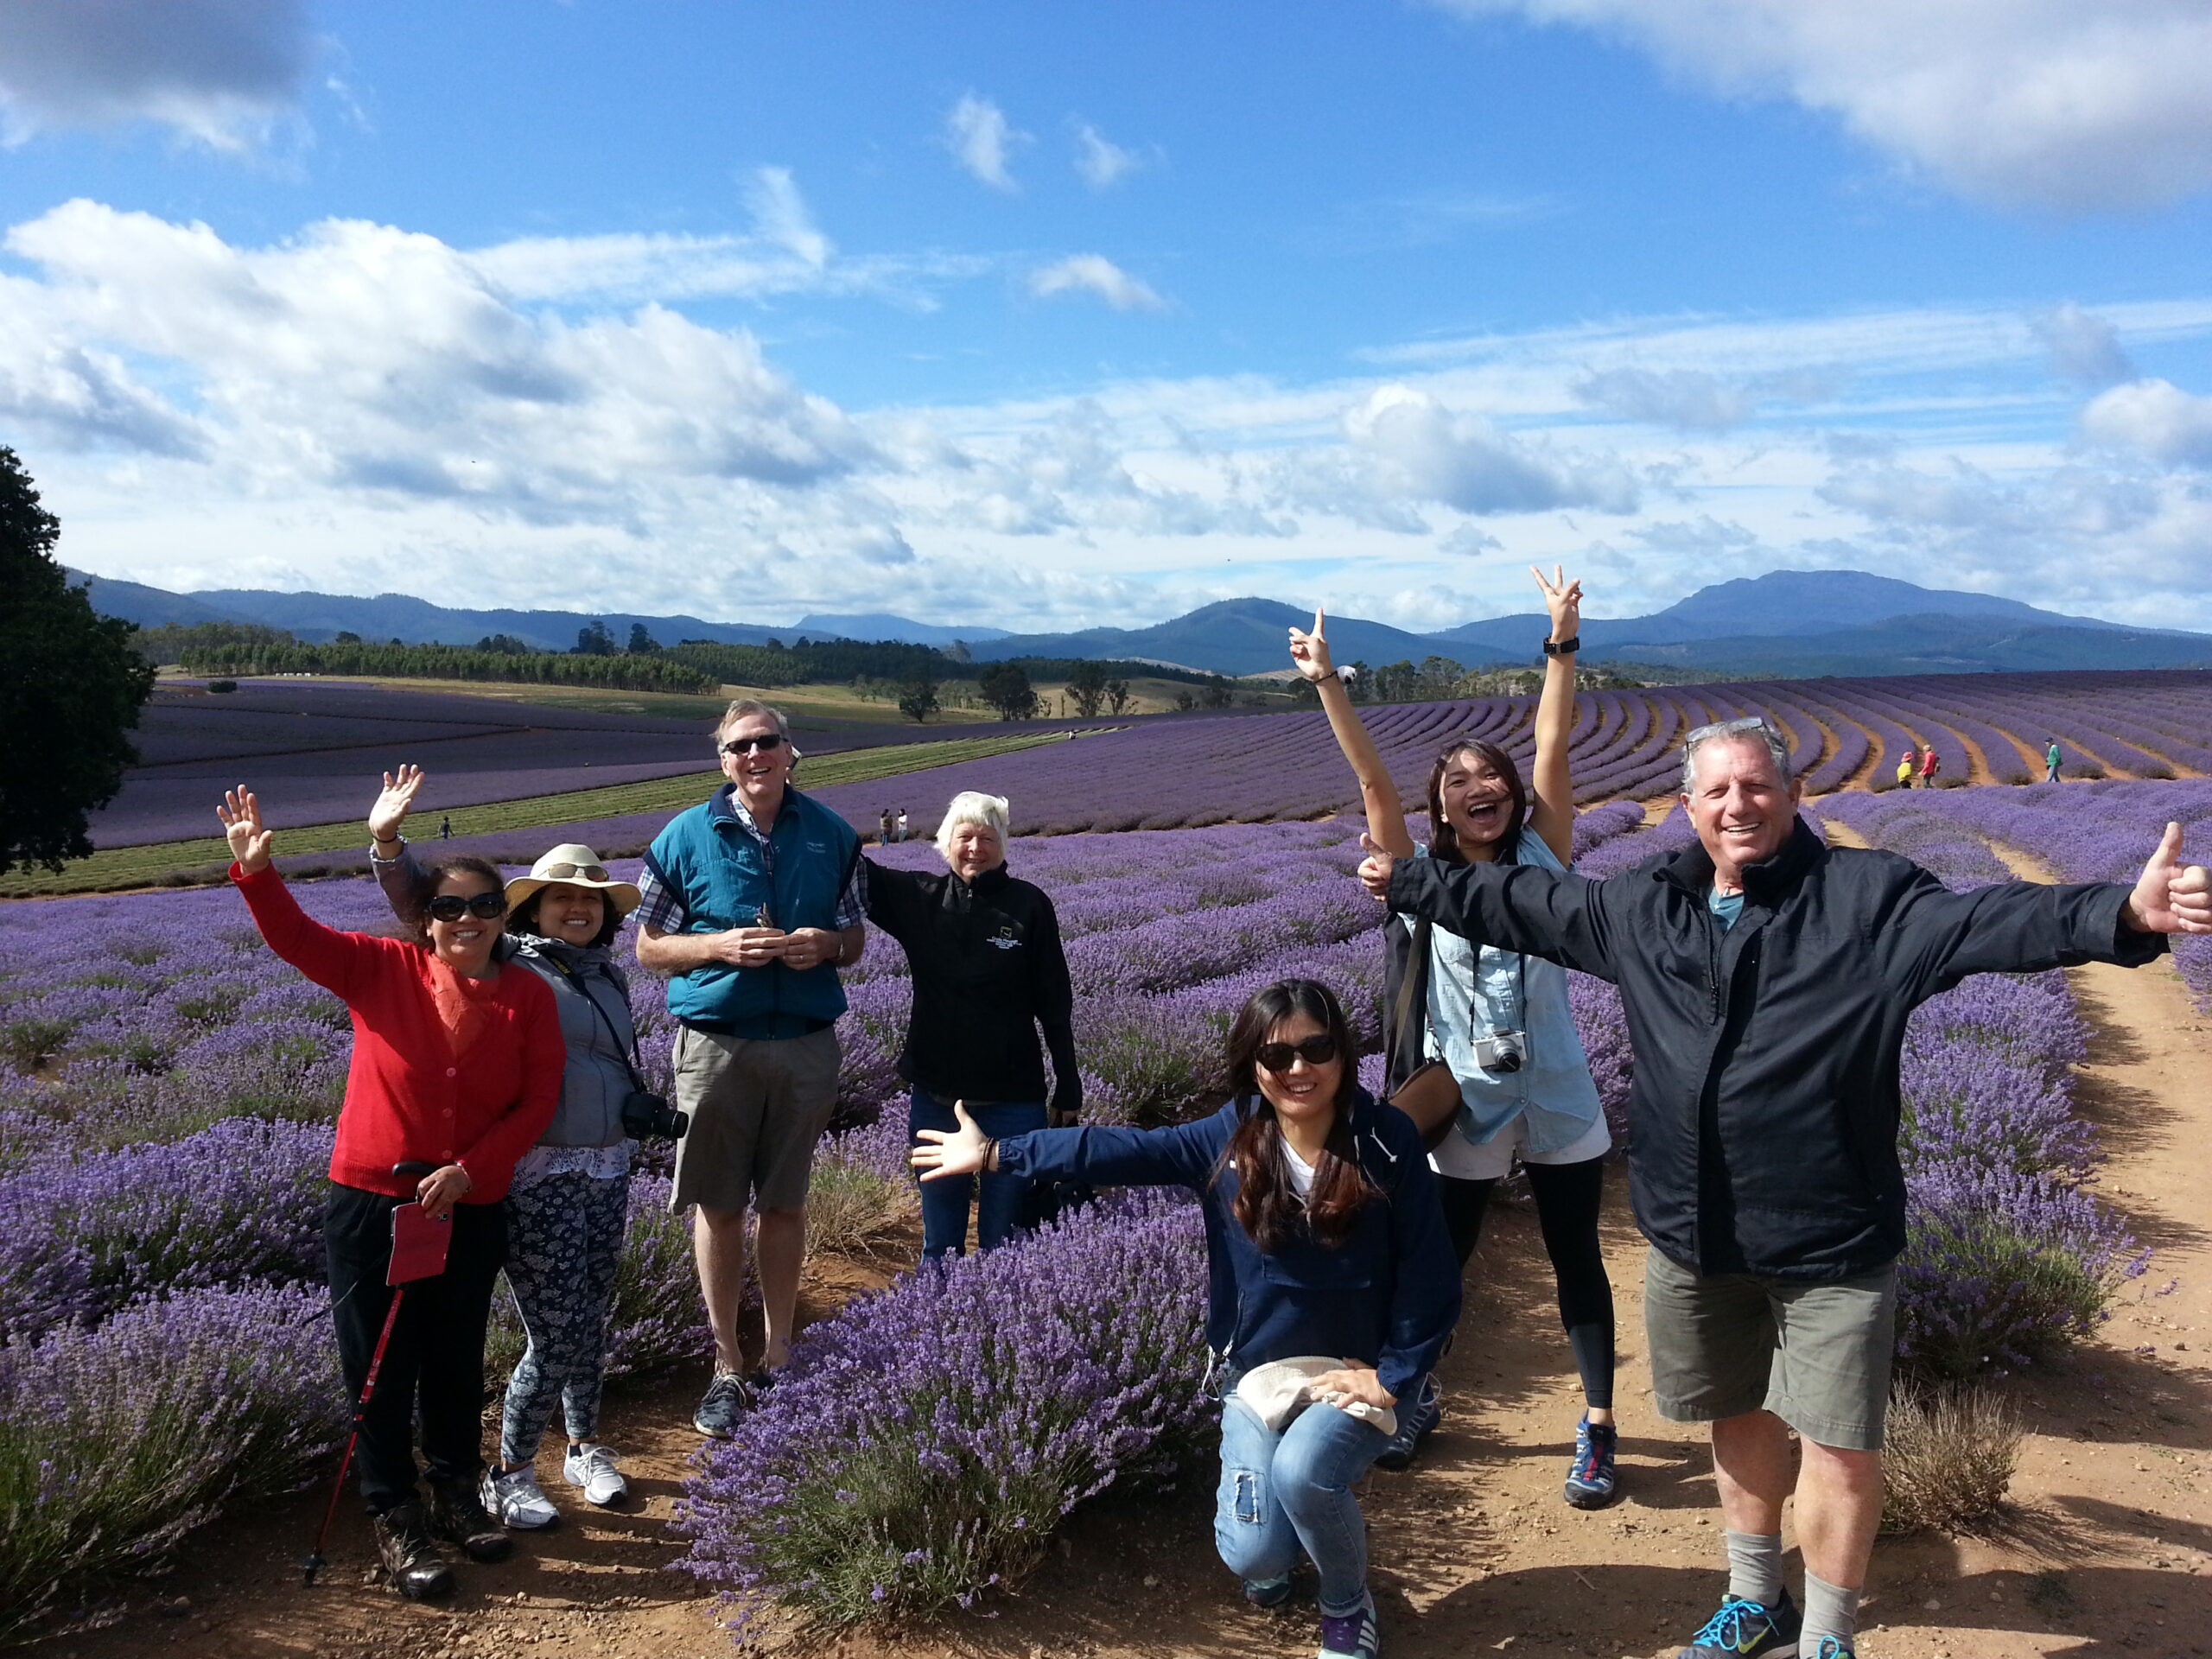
(1817, 1356)
(758, 1107)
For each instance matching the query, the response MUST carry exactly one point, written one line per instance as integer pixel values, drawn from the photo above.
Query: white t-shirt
(1300, 1172)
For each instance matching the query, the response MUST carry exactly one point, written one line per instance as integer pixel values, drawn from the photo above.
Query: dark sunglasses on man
(1318, 1050)
(451, 906)
(767, 743)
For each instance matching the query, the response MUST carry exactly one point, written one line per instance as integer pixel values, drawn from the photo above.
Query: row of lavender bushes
(2009, 1256)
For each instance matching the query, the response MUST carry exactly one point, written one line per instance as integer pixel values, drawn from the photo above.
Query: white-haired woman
(990, 975)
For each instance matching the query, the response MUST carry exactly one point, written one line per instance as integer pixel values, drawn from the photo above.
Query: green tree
(593, 639)
(70, 693)
(1217, 693)
(917, 699)
(1087, 686)
(1006, 687)
(1117, 696)
(642, 644)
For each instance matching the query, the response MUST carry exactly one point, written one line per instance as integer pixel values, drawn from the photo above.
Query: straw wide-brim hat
(566, 866)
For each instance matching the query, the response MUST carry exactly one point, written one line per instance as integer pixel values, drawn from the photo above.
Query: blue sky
(1049, 316)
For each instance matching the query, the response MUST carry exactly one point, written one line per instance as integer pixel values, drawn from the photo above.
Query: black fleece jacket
(1763, 1127)
(988, 971)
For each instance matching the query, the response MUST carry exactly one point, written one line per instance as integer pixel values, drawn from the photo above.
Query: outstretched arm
(392, 863)
(1378, 796)
(1554, 914)
(1180, 1155)
(1552, 813)
(2169, 896)
(330, 959)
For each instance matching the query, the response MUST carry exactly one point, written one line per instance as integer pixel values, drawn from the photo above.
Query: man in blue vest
(751, 903)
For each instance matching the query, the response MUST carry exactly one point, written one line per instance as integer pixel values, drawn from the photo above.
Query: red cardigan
(407, 1099)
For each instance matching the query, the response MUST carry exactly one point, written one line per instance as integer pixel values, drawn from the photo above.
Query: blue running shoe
(1742, 1628)
(1353, 1635)
(1415, 1423)
(1834, 1647)
(1589, 1482)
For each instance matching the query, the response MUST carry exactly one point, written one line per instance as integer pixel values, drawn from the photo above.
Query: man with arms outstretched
(1766, 978)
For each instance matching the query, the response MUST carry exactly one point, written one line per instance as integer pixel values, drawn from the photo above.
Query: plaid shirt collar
(724, 806)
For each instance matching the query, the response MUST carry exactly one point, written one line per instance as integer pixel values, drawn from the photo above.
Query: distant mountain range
(1785, 624)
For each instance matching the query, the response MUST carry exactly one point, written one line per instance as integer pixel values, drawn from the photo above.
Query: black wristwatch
(1565, 648)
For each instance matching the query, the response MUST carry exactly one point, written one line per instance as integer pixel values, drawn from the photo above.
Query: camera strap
(630, 1059)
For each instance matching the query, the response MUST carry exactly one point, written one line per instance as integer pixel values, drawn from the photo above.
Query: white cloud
(982, 141)
(2085, 349)
(1100, 162)
(1689, 399)
(2155, 417)
(1424, 450)
(1092, 273)
(2049, 103)
(223, 72)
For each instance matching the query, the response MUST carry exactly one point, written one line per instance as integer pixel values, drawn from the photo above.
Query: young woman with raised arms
(1497, 1020)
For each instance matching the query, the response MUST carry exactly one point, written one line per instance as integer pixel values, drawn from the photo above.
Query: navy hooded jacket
(1389, 1296)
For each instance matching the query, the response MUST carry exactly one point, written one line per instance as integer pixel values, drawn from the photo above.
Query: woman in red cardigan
(457, 1067)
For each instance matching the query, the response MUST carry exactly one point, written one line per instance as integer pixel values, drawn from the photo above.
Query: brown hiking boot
(458, 1516)
(410, 1558)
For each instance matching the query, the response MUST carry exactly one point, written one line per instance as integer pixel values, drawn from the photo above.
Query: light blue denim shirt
(1474, 990)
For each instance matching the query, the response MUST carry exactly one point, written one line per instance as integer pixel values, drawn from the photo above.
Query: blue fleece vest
(724, 876)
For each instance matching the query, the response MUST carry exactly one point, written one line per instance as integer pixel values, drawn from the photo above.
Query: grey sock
(1830, 1610)
(1755, 1567)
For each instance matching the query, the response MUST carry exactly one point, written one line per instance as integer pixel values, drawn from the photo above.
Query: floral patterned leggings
(564, 1239)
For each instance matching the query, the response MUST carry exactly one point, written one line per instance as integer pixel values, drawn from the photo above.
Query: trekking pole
(316, 1560)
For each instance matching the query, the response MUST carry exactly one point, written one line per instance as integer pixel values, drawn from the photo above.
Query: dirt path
(2106, 1550)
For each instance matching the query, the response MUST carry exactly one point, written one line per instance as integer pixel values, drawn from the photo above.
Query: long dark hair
(427, 878)
(1265, 1205)
(1443, 840)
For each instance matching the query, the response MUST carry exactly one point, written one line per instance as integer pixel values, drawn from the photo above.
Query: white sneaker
(594, 1470)
(518, 1500)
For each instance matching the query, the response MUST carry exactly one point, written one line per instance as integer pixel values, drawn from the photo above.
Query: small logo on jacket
(1005, 938)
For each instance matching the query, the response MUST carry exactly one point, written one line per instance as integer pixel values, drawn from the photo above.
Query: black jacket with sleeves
(1763, 1122)
(988, 971)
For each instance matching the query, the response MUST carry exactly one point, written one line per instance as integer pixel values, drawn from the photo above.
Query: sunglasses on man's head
(1317, 1050)
(767, 743)
(566, 872)
(451, 906)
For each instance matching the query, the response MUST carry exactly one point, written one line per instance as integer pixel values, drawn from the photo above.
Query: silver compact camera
(1502, 1050)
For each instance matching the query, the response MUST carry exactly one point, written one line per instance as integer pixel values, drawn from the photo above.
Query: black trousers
(434, 1365)
(1568, 1197)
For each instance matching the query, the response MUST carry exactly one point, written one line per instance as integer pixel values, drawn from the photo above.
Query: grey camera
(1502, 1050)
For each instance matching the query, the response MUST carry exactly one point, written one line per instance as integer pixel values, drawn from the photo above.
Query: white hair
(971, 806)
(745, 707)
(1749, 730)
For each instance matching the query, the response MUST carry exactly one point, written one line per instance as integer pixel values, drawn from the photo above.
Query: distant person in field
(1930, 764)
(568, 1207)
(1498, 1020)
(2051, 760)
(1332, 1289)
(457, 1066)
(899, 824)
(884, 827)
(445, 828)
(1767, 978)
(751, 902)
(1908, 768)
(989, 975)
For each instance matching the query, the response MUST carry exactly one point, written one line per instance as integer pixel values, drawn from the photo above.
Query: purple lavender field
(166, 1089)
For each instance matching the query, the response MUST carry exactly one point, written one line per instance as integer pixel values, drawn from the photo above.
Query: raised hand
(241, 816)
(957, 1152)
(2170, 897)
(391, 809)
(1374, 868)
(1309, 652)
(1563, 599)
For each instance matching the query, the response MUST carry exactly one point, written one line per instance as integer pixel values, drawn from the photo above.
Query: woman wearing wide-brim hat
(568, 1207)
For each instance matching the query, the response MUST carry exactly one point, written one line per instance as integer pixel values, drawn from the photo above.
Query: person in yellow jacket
(1907, 769)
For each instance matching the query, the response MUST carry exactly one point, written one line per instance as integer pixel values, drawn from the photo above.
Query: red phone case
(418, 1245)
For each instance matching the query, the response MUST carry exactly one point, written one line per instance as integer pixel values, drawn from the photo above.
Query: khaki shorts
(758, 1107)
(1817, 1356)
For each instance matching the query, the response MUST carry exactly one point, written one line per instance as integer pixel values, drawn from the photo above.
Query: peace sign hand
(391, 809)
(1309, 652)
(241, 816)
(1563, 599)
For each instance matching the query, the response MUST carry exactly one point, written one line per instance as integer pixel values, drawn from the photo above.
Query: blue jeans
(1280, 1491)
(1001, 1198)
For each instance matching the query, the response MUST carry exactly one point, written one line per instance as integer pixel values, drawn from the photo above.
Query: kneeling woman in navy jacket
(1324, 1243)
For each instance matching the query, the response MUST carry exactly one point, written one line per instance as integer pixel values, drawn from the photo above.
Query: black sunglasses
(451, 906)
(564, 871)
(767, 744)
(1314, 1051)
